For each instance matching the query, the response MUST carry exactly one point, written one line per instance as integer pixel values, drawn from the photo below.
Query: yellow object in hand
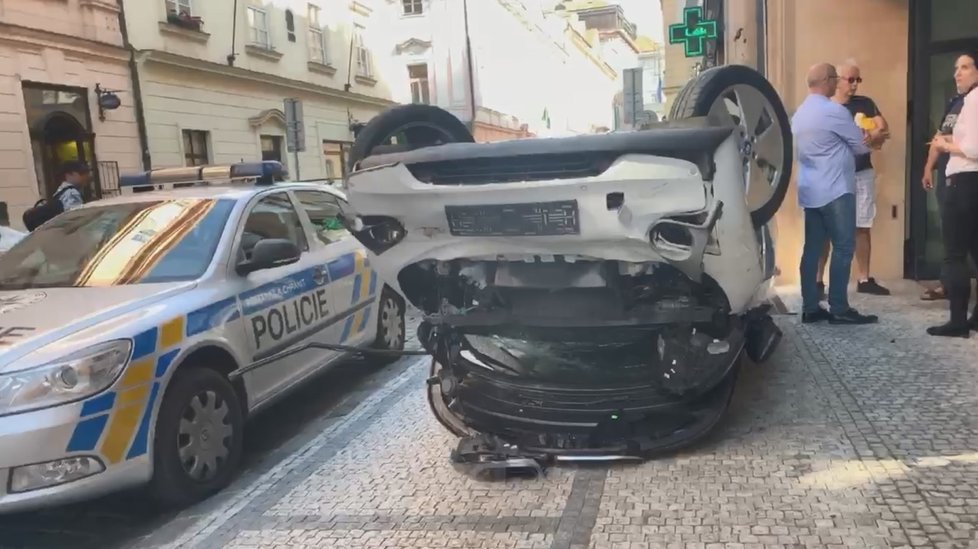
(864, 122)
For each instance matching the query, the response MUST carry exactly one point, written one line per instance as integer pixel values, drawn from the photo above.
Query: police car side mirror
(269, 253)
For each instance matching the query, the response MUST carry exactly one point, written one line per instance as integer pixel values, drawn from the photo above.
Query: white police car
(129, 329)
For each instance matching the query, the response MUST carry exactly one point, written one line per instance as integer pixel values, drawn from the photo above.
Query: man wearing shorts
(869, 118)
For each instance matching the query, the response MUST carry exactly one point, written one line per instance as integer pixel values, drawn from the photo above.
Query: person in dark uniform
(937, 160)
(870, 120)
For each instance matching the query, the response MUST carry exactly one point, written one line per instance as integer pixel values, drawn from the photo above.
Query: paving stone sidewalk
(848, 437)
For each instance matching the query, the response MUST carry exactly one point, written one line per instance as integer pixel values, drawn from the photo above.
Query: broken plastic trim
(324, 346)
(688, 258)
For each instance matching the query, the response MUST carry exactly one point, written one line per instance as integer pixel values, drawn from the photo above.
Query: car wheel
(414, 126)
(741, 96)
(198, 440)
(390, 324)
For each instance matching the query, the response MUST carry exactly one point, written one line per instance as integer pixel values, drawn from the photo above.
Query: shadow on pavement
(270, 436)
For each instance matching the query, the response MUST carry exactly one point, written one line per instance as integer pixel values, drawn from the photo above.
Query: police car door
(281, 305)
(353, 284)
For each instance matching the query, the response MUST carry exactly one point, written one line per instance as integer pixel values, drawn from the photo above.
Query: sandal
(934, 294)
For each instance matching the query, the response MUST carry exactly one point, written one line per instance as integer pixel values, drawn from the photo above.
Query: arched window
(290, 25)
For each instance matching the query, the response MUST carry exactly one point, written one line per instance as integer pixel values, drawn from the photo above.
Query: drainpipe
(137, 94)
(468, 58)
(234, 35)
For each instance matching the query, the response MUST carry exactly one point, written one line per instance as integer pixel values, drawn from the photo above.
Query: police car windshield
(116, 244)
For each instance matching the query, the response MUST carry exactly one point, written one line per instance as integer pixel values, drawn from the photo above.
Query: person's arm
(966, 127)
(932, 153)
(71, 199)
(842, 124)
(882, 132)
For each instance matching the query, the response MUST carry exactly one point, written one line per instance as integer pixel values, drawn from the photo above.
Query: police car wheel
(390, 322)
(198, 441)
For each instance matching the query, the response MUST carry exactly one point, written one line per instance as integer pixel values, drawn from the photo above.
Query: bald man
(828, 141)
(863, 107)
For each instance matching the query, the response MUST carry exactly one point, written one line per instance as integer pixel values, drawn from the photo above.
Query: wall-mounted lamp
(107, 101)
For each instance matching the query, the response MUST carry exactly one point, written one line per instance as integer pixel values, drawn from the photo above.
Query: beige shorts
(865, 198)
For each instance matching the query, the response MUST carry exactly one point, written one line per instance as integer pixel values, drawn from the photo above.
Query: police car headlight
(72, 378)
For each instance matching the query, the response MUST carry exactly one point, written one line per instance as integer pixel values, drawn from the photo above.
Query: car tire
(701, 97)
(196, 395)
(391, 329)
(423, 125)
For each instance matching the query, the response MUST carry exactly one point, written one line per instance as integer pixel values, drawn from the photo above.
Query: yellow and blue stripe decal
(212, 316)
(364, 288)
(117, 423)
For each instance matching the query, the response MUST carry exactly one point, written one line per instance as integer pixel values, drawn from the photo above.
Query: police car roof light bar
(265, 172)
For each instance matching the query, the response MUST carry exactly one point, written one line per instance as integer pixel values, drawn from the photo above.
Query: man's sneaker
(871, 287)
(817, 315)
(853, 316)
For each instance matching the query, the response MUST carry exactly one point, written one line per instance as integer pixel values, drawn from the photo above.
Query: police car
(130, 329)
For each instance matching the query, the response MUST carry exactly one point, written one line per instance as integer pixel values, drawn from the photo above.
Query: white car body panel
(654, 187)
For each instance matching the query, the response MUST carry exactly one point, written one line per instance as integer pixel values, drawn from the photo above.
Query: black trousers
(960, 228)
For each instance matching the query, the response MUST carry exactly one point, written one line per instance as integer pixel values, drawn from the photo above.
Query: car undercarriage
(589, 297)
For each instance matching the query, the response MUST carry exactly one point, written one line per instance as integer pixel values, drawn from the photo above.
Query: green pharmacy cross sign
(693, 32)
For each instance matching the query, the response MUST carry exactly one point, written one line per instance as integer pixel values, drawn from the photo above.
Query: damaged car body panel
(587, 297)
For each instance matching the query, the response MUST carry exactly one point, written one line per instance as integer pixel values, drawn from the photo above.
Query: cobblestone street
(849, 437)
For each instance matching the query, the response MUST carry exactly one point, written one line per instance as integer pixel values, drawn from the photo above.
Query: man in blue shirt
(827, 142)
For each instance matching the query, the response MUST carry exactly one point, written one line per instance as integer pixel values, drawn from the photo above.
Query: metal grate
(108, 176)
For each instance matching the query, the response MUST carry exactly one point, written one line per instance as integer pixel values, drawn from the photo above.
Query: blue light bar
(134, 179)
(265, 172)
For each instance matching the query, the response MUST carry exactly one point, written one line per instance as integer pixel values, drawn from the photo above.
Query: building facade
(213, 80)
(56, 60)
(906, 51)
(638, 59)
(506, 68)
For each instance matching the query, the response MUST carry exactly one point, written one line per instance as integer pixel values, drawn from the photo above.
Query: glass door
(940, 32)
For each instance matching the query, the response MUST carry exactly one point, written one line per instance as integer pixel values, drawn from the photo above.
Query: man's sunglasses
(854, 80)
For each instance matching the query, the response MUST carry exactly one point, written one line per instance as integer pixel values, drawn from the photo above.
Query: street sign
(633, 103)
(693, 32)
(295, 131)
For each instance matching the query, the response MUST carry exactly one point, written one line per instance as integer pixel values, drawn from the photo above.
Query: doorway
(60, 131)
(940, 32)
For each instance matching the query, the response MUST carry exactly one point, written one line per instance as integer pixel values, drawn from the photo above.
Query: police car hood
(51, 322)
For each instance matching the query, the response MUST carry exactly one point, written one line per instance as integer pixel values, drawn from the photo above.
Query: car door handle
(319, 276)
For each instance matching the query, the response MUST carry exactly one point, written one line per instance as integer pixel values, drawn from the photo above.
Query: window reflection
(129, 243)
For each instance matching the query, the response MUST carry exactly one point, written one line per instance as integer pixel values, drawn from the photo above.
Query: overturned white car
(585, 297)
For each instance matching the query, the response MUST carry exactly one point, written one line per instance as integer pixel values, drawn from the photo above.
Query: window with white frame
(258, 23)
(363, 54)
(178, 7)
(413, 7)
(418, 77)
(317, 38)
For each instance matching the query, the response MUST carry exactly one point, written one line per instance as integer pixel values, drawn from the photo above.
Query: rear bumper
(652, 188)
